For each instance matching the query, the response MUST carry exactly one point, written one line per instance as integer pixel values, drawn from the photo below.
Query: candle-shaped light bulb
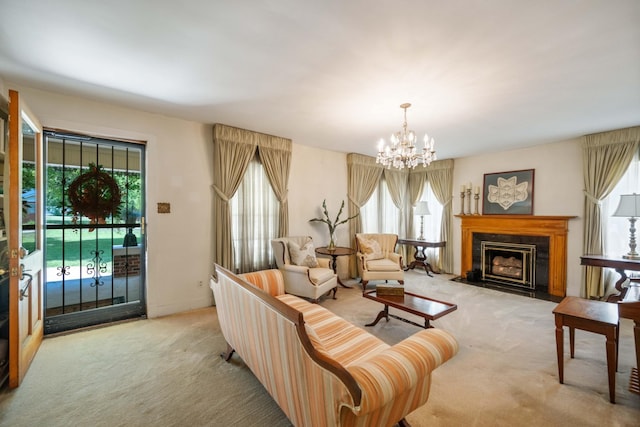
(381, 145)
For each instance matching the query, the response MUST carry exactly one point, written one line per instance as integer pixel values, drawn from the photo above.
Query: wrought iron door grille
(84, 268)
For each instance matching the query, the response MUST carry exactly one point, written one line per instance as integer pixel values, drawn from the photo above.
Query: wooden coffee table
(427, 308)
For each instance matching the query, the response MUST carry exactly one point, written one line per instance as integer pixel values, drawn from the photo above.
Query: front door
(23, 209)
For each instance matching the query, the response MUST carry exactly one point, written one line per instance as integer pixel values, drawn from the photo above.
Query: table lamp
(630, 207)
(422, 209)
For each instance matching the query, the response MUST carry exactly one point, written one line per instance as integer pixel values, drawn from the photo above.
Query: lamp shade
(629, 206)
(422, 208)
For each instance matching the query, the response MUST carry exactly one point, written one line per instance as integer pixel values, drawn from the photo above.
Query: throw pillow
(305, 255)
(371, 249)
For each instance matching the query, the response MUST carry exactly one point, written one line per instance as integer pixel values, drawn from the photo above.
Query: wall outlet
(200, 283)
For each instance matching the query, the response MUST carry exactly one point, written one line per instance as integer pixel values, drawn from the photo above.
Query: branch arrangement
(327, 219)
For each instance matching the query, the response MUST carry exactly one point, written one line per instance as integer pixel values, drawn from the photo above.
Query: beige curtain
(397, 185)
(440, 177)
(605, 157)
(233, 149)
(275, 153)
(363, 174)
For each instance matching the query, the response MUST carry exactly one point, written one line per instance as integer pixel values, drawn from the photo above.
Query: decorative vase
(332, 241)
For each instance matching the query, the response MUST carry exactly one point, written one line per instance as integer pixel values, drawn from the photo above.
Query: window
(254, 220)
(616, 229)
(433, 221)
(379, 214)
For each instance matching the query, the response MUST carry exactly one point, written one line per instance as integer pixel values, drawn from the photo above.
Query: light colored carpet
(167, 371)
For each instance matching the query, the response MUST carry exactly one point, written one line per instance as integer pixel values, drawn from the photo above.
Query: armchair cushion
(383, 264)
(303, 255)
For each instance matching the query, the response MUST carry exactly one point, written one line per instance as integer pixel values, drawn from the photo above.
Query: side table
(593, 316)
(334, 254)
(420, 257)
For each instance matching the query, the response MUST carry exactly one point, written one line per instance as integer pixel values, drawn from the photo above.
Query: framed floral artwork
(508, 193)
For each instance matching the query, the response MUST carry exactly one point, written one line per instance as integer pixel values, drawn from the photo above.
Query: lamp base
(631, 256)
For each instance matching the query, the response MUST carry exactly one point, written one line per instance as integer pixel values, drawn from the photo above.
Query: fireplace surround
(554, 229)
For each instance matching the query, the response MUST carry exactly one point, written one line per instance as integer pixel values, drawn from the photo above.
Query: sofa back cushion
(270, 281)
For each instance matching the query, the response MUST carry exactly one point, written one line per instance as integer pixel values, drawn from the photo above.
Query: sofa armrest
(392, 372)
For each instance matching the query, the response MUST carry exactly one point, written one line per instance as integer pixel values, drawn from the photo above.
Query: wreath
(94, 194)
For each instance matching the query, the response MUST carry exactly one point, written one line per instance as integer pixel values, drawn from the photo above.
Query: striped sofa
(319, 368)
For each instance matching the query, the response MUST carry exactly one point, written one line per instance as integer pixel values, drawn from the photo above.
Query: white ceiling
(482, 75)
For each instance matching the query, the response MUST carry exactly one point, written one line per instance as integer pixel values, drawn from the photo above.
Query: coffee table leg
(384, 313)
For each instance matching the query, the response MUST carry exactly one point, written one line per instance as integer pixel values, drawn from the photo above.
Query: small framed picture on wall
(508, 193)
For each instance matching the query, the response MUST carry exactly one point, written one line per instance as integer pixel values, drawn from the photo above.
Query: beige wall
(179, 159)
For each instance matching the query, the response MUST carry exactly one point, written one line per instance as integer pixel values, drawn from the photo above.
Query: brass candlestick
(476, 197)
(462, 203)
(469, 201)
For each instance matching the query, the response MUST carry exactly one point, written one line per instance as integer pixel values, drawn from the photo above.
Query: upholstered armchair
(377, 259)
(304, 274)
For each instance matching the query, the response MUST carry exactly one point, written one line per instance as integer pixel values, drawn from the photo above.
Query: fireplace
(511, 264)
(547, 233)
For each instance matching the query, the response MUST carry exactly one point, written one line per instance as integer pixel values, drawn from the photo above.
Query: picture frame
(508, 193)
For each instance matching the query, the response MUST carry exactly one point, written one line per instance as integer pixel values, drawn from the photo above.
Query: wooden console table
(621, 265)
(420, 257)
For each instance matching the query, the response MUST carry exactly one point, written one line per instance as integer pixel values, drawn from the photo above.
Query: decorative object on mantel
(422, 209)
(401, 152)
(508, 193)
(94, 194)
(630, 207)
(476, 195)
(476, 198)
(332, 224)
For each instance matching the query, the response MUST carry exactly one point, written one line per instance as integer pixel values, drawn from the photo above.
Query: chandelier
(402, 152)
